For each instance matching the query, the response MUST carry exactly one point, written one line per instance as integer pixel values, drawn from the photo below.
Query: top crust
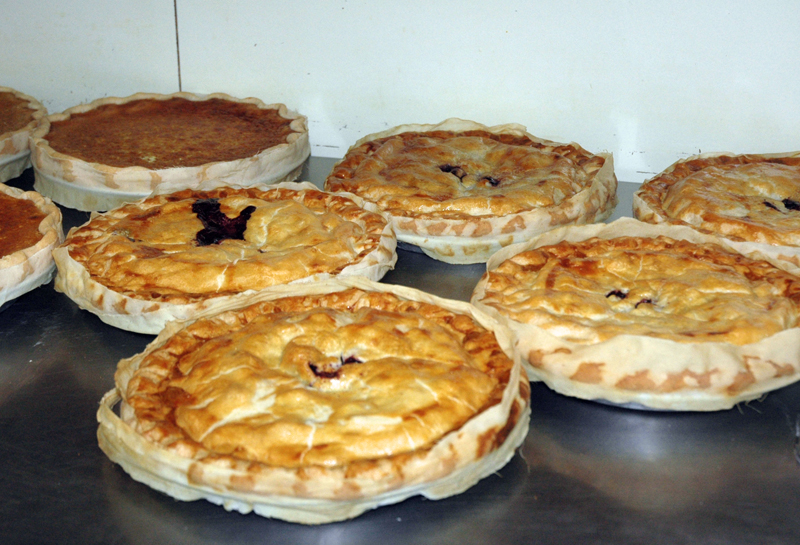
(316, 403)
(141, 264)
(81, 177)
(461, 190)
(752, 199)
(670, 319)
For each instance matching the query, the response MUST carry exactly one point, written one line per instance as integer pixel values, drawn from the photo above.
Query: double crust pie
(30, 227)
(658, 316)
(115, 150)
(19, 115)
(172, 255)
(460, 190)
(317, 403)
(753, 200)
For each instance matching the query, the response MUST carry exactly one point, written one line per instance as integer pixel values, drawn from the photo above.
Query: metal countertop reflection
(586, 473)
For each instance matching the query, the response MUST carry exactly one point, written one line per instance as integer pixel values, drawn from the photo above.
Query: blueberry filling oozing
(331, 370)
(456, 171)
(218, 226)
(616, 293)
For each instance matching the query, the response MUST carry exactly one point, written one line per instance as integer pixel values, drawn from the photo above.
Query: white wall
(650, 82)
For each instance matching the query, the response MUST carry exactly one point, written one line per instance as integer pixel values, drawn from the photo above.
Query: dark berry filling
(331, 370)
(791, 204)
(218, 226)
(617, 293)
(456, 171)
(647, 301)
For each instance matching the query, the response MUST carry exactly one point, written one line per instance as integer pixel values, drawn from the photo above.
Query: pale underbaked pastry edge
(31, 267)
(643, 211)
(449, 241)
(771, 363)
(89, 186)
(451, 466)
(143, 316)
(14, 148)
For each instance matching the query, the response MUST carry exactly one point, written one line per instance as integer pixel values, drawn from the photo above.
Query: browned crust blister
(302, 488)
(460, 190)
(654, 315)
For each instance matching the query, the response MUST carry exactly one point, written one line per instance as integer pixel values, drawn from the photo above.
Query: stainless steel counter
(586, 473)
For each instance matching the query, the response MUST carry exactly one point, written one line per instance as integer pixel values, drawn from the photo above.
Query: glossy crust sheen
(93, 185)
(460, 190)
(317, 406)
(141, 264)
(19, 116)
(28, 268)
(750, 199)
(661, 316)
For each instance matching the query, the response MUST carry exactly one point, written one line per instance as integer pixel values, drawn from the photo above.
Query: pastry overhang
(144, 263)
(661, 316)
(317, 406)
(460, 190)
(115, 150)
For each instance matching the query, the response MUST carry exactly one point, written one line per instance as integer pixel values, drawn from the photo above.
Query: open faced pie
(171, 255)
(655, 315)
(19, 115)
(753, 200)
(97, 156)
(317, 402)
(30, 227)
(460, 190)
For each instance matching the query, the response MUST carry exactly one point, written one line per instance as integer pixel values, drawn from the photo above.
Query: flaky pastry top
(593, 290)
(153, 249)
(752, 198)
(321, 380)
(443, 174)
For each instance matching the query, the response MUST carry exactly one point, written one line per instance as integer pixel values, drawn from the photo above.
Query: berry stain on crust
(331, 370)
(218, 226)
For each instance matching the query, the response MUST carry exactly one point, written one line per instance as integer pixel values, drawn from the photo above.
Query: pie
(317, 402)
(30, 227)
(171, 255)
(459, 190)
(115, 150)
(655, 315)
(753, 200)
(19, 115)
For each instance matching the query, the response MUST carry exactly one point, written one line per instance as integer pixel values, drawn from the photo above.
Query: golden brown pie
(318, 402)
(661, 316)
(97, 156)
(460, 190)
(172, 255)
(30, 227)
(752, 199)
(19, 115)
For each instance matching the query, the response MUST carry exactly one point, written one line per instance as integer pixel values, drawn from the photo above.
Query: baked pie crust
(752, 200)
(19, 115)
(30, 227)
(460, 190)
(118, 150)
(144, 263)
(657, 316)
(319, 401)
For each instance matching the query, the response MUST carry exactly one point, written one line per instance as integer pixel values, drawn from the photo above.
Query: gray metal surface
(587, 473)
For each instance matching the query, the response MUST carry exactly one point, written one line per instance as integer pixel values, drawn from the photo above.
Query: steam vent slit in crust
(318, 402)
(650, 315)
(115, 150)
(173, 255)
(459, 191)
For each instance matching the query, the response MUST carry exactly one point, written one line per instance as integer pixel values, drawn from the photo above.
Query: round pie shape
(30, 227)
(19, 116)
(118, 150)
(145, 263)
(752, 200)
(654, 316)
(320, 401)
(460, 191)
